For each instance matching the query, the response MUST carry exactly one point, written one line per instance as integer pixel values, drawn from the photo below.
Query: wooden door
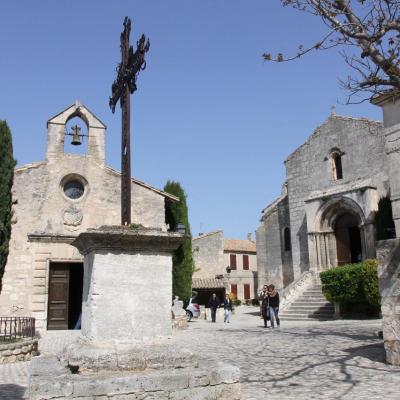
(246, 288)
(234, 289)
(57, 315)
(343, 246)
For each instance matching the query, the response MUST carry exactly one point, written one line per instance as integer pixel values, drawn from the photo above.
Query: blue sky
(209, 112)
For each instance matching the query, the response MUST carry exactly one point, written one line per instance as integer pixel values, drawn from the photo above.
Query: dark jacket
(214, 303)
(228, 304)
(274, 300)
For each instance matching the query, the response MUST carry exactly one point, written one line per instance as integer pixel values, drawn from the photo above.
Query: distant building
(334, 205)
(224, 265)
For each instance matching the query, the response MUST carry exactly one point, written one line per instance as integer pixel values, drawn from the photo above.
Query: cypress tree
(182, 261)
(7, 164)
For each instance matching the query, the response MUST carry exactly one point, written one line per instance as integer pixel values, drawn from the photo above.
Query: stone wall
(46, 219)
(274, 263)
(309, 168)
(208, 255)
(388, 252)
(21, 350)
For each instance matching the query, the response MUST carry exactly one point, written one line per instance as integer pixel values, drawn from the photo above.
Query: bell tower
(56, 133)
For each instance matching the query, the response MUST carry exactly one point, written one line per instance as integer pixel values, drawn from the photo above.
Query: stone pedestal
(388, 252)
(124, 351)
(127, 290)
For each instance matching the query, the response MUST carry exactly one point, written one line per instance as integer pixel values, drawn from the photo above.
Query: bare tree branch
(371, 26)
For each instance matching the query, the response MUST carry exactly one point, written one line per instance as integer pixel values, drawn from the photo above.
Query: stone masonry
(47, 220)
(314, 198)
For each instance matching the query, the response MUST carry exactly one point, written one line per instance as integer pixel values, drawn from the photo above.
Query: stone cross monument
(122, 88)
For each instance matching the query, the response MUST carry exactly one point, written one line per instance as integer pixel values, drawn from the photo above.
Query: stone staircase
(310, 304)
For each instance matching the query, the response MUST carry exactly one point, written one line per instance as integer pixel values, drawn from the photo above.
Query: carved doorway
(348, 240)
(65, 295)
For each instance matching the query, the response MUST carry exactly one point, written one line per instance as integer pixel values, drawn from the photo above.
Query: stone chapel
(55, 200)
(334, 206)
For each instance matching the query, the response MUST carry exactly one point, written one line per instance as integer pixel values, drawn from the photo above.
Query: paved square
(314, 360)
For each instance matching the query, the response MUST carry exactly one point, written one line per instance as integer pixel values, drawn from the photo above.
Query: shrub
(237, 302)
(255, 302)
(352, 283)
(370, 282)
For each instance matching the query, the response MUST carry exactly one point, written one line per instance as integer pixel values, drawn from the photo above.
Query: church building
(55, 200)
(334, 206)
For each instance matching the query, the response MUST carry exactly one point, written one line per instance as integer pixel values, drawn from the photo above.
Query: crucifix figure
(123, 86)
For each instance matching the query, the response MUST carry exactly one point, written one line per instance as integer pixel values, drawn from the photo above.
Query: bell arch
(95, 132)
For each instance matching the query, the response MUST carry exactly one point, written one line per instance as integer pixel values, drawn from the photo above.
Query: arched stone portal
(348, 239)
(342, 234)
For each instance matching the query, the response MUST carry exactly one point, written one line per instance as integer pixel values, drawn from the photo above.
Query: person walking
(213, 303)
(261, 297)
(265, 312)
(228, 305)
(273, 297)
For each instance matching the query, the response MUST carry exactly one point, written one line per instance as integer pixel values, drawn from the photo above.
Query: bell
(76, 137)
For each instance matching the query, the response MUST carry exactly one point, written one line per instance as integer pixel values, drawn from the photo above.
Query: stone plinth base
(155, 374)
(388, 253)
(127, 287)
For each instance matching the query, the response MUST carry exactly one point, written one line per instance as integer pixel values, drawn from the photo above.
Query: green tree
(7, 164)
(182, 261)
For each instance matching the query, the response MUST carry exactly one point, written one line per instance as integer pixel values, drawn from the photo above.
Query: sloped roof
(272, 206)
(207, 283)
(317, 131)
(239, 245)
(207, 234)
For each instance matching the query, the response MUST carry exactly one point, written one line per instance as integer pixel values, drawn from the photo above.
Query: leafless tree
(371, 28)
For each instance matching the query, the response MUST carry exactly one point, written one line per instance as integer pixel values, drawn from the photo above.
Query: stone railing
(292, 291)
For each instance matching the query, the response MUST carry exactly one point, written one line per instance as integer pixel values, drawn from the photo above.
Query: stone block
(46, 366)
(49, 388)
(223, 373)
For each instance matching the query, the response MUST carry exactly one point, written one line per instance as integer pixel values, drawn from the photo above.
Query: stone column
(388, 252)
(127, 291)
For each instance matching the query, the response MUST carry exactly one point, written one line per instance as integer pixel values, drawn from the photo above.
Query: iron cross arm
(128, 69)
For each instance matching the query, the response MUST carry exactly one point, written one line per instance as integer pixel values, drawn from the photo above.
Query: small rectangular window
(245, 262)
(233, 261)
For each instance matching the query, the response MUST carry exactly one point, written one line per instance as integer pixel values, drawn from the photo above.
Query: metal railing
(16, 328)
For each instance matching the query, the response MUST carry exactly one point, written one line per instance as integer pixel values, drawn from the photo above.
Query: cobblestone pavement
(301, 360)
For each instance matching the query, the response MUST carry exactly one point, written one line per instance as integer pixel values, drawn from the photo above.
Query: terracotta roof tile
(207, 283)
(239, 245)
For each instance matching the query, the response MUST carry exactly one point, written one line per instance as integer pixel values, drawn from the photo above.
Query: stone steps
(311, 304)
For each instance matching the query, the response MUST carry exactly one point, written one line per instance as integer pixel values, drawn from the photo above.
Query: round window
(74, 189)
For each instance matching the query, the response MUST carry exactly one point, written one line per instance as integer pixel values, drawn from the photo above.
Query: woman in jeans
(227, 308)
(273, 297)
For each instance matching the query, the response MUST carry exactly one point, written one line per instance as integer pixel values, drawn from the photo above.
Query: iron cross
(123, 86)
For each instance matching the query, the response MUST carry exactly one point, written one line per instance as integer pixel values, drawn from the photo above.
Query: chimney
(249, 237)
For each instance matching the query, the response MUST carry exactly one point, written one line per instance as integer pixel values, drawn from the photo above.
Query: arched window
(286, 239)
(337, 171)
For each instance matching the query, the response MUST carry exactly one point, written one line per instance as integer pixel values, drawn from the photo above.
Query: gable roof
(77, 109)
(239, 245)
(318, 130)
(207, 234)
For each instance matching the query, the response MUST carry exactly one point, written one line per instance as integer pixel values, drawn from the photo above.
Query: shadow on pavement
(12, 392)
(374, 352)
